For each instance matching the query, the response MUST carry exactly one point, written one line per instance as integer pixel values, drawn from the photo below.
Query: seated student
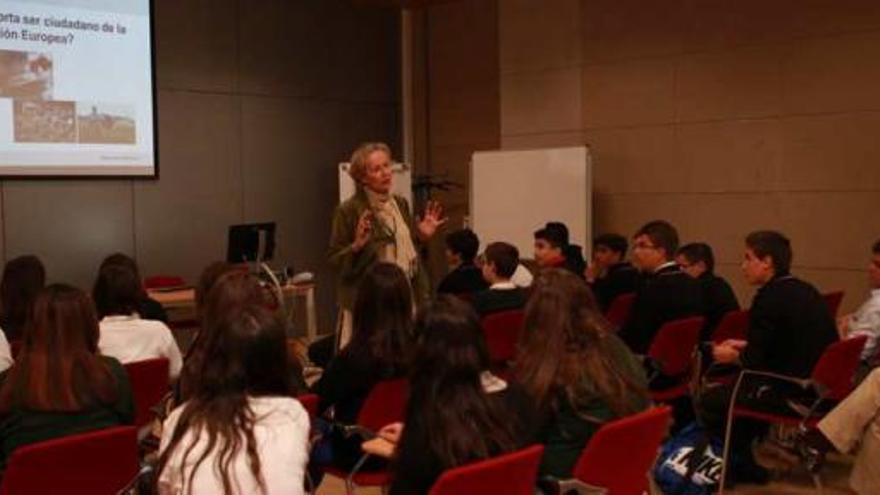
(552, 249)
(852, 426)
(124, 334)
(574, 368)
(23, 278)
(698, 261)
(499, 264)
(382, 335)
(789, 328)
(665, 293)
(60, 385)
(240, 431)
(458, 412)
(609, 274)
(465, 277)
(148, 308)
(221, 286)
(866, 320)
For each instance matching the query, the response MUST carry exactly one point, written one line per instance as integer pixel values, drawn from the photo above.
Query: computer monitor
(251, 242)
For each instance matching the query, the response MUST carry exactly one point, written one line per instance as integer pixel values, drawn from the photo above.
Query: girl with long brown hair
(59, 384)
(379, 349)
(458, 412)
(240, 431)
(577, 371)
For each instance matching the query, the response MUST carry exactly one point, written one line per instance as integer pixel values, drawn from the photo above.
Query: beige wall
(721, 116)
(461, 86)
(258, 101)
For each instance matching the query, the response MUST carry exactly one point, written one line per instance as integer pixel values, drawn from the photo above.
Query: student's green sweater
(566, 432)
(21, 427)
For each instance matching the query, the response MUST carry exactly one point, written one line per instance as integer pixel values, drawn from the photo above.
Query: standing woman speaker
(375, 226)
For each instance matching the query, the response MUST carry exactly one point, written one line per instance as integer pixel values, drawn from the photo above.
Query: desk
(180, 304)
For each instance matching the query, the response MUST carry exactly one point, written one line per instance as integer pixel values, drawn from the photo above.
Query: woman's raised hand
(432, 220)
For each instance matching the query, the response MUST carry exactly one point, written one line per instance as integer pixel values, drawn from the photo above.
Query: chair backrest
(511, 474)
(502, 331)
(674, 345)
(733, 325)
(836, 369)
(163, 282)
(385, 404)
(102, 461)
(833, 300)
(309, 403)
(149, 383)
(620, 308)
(620, 454)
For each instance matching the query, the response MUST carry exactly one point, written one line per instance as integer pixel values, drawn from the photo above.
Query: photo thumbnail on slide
(77, 93)
(25, 75)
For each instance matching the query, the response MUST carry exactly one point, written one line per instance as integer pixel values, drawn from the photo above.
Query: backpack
(690, 463)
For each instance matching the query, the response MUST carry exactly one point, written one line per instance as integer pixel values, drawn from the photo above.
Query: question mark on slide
(70, 36)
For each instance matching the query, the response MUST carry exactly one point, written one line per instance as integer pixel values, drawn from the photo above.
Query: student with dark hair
(458, 412)
(789, 328)
(609, 274)
(240, 431)
(60, 384)
(574, 368)
(124, 334)
(865, 321)
(23, 278)
(698, 261)
(464, 277)
(665, 293)
(148, 308)
(224, 287)
(553, 249)
(382, 336)
(500, 260)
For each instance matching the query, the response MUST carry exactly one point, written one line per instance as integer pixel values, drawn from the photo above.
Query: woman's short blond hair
(358, 163)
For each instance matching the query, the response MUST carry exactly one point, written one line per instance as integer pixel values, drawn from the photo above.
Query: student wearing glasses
(665, 293)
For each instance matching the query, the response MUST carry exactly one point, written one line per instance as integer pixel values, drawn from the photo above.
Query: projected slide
(76, 88)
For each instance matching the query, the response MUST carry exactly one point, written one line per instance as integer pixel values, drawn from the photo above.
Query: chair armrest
(363, 432)
(804, 383)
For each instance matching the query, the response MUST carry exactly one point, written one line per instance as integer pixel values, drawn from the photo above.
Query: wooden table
(180, 304)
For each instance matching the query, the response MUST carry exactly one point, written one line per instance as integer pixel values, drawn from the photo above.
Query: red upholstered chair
(511, 474)
(620, 308)
(385, 404)
(149, 383)
(163, 282)
(618, 458)
(309, 403)
(733, 325)
(502, 332)
(99, 462)
(833, 300)
(672, 353)
(832, 379)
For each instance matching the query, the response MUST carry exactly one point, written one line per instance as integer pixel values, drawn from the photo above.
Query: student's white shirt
(866, 321)
(130, 339)
(522, 277)
(281, 431)
(5, 353)
(505, 285)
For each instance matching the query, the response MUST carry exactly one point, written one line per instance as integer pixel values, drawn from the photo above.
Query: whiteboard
(401, 185)
(514, 193)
